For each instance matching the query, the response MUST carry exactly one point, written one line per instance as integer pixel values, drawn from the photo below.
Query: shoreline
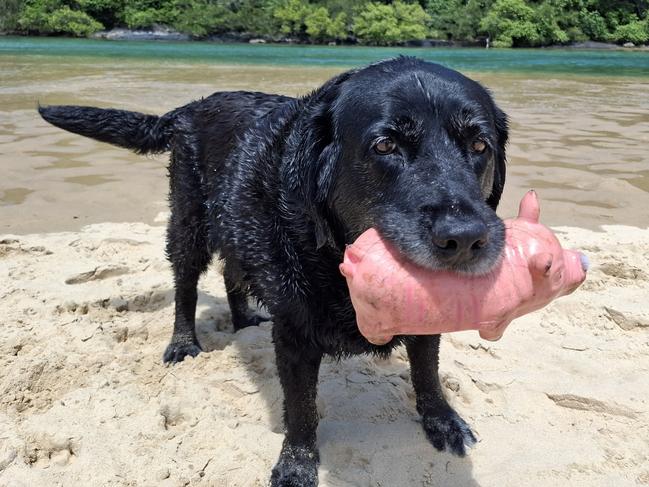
(169, 35)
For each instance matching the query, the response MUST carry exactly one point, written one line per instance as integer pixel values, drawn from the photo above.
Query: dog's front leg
(443, 426)
(298, 368)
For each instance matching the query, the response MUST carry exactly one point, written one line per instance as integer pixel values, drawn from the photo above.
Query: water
(580, 121)
(538, 61)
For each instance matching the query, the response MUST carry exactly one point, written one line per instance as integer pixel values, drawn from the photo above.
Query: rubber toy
(392, 296)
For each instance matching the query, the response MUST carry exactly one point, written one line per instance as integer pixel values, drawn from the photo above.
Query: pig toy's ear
(351, 259)
(529, 208)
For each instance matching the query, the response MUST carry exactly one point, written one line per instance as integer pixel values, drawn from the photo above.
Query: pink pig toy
(393, 296)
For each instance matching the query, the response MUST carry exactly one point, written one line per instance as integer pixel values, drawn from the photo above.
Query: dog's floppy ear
(316, 155)
(502, 131)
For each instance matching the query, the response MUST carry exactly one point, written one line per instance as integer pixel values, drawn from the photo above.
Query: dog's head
(415, 150)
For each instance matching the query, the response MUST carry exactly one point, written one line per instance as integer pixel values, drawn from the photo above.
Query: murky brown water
(581, 141)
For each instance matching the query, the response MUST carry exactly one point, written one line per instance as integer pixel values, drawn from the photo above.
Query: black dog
(277, 187)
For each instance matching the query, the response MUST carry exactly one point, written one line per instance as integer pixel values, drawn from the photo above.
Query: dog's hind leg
(444, 428)
(242, 315)
(187, 250)
(187, 245)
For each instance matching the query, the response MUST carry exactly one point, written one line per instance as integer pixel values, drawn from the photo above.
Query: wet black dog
(277, 186)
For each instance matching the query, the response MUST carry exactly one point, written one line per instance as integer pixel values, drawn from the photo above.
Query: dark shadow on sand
(369, 432)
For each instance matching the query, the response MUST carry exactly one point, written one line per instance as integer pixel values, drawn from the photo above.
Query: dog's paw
(252, 319)
(445, 429)
(296, 467)
(176, 352)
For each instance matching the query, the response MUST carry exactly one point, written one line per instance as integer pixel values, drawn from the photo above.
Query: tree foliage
(291, 15)
(378, 23)
(635, 31)
(457, 19)
(56, 17)
(504, 22)
(510, 22)
(10, 11)
(321, 26)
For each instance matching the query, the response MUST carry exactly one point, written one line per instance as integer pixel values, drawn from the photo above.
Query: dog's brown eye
(479, 146)
(384, 146)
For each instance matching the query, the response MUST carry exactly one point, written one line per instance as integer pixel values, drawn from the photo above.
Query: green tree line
(506, 23)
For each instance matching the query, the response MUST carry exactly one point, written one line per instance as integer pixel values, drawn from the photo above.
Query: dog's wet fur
(277, 186)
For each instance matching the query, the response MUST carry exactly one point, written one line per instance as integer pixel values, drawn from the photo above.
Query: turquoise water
(566, 61)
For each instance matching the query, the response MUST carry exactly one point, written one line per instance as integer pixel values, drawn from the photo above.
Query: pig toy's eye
(548, 266)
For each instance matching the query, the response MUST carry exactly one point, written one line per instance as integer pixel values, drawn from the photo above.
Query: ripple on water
(90, 179)
(14, 196)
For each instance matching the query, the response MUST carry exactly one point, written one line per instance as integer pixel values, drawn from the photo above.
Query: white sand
(562, 399)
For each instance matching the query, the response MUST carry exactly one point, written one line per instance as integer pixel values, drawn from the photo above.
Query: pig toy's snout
(576, 265)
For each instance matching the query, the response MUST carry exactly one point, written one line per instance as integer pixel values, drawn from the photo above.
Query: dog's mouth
(420, 249)
(474, 266)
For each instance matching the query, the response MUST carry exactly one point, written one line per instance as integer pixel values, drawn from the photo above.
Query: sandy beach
(86, 310)
(85, 399)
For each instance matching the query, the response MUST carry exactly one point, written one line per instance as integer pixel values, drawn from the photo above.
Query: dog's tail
(132, 130)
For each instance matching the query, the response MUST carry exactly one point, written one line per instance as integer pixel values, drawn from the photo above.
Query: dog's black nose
(458, 239)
